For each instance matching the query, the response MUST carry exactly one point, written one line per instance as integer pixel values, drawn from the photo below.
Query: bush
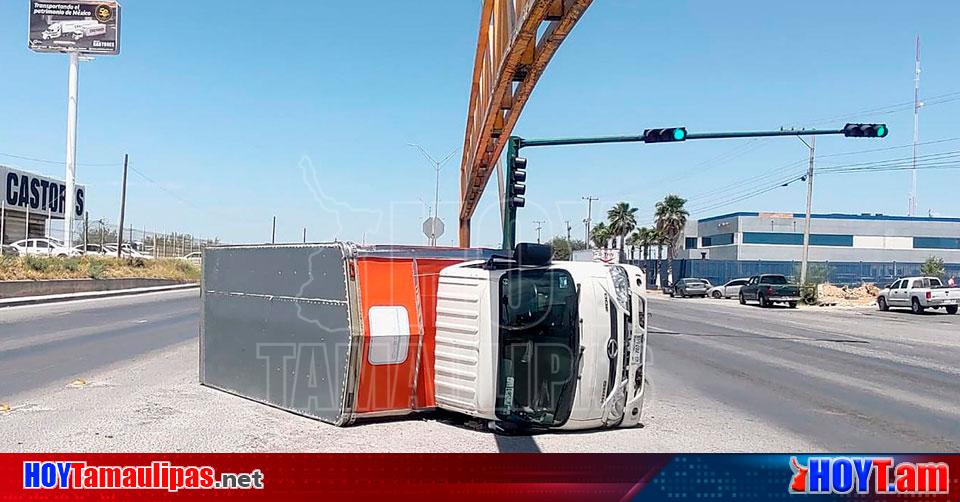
(96, 269)
(136, 262)
(39, 263)
(934, 267)
(185, 267)
(71, 264)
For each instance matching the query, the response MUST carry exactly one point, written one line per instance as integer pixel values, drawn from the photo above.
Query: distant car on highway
(689, 287)
(729, 290)
(919, 293)
(43, 247)
(768, 289)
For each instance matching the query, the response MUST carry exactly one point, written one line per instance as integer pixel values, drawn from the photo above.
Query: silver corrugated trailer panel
(278, 327)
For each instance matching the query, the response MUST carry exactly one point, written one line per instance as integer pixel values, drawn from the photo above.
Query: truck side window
(389, 335)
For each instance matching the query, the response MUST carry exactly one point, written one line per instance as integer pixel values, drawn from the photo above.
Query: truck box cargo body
(340, 332)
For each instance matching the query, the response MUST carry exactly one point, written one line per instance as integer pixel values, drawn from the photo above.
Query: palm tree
(671, 218)
(600, 235)
(622, 219)
(642, 238)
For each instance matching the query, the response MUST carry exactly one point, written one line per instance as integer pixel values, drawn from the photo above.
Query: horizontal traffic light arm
(880, 130)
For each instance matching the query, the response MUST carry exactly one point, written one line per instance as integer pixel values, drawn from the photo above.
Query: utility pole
(86, 229)
(539, 227)
(123, 205)
(273, 233)
(912, 209)
(806, 222)
(304, 235)
(437, 164)
(587, 222)
(568, 230)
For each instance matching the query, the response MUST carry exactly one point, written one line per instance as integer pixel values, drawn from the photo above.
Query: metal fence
(841, 273)
(101, 232)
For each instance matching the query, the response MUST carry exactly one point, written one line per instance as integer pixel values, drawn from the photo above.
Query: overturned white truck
(340, 332)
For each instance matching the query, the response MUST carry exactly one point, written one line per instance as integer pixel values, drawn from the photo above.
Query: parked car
(729, 290)
(91, 249)
(767, 289)
(43, 247)
(8, 250)
(194, 257)
(919, 293)
(126, 251)
(689, 287)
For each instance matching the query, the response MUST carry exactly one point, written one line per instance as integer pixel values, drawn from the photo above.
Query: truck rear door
(278, 326)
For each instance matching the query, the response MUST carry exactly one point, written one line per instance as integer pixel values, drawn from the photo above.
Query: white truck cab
(558, 346)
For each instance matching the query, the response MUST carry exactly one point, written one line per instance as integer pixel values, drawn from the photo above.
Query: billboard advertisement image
(89, 27)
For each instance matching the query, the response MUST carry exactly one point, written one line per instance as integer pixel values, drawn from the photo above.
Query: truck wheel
(882, 304)
(762, 300)
(792, 305)
(952, 309)
(743, 301)
(915, 306)
(718, 295)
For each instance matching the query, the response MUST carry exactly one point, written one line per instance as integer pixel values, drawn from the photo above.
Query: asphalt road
(56, 342)
(848, 379)
(723, 377)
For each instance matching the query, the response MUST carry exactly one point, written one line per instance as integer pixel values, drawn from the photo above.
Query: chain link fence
(101, 234)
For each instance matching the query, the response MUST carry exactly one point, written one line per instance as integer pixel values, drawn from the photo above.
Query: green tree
(671, 217)
(600, 235)
(934, 267)
(622, 219)
(561, 248)
(641, 238)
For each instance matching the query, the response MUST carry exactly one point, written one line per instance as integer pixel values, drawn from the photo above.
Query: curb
(36, 300)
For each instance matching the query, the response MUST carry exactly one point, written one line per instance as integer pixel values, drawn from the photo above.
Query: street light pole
(806, 220)
(436, 196)
(72, 96)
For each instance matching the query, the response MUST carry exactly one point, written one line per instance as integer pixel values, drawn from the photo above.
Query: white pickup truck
(919, 293)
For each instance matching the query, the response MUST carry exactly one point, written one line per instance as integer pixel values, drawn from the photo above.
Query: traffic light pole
(510, 209)
(515, 143)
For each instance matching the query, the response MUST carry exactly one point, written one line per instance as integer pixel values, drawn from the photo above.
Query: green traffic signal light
(881, 131)
(679, 134)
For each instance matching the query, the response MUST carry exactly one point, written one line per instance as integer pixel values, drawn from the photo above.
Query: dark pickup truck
(768, 289)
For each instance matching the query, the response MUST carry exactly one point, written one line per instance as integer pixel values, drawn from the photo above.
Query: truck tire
(882, 304)
(915, 306)
(743, 301)
(792, 305)
(952, 309)
(762, 300)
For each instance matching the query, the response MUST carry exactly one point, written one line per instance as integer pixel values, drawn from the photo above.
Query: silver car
(729, 290)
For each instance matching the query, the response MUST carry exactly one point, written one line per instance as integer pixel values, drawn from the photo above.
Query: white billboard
(25, 191)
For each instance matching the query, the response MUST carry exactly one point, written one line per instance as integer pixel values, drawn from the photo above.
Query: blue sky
(305, 111)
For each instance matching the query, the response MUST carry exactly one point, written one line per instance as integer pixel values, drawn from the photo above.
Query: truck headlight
(621, 285)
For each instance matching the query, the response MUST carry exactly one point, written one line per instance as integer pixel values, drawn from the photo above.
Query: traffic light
(517, 178)
(865, 130)
(665, 135)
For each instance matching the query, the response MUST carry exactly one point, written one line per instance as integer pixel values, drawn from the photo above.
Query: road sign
(85, 26)
(433, 227)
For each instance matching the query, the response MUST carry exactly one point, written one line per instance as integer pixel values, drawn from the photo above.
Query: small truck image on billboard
(341, 332)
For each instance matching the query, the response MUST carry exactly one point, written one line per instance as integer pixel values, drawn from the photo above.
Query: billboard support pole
(69, 202)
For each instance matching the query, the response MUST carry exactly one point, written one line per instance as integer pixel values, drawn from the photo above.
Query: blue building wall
(721, 271)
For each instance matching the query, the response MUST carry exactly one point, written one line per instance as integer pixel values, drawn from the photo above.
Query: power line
(58, 162)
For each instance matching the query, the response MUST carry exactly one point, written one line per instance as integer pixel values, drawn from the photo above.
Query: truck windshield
(538, 347)
(774, 279)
